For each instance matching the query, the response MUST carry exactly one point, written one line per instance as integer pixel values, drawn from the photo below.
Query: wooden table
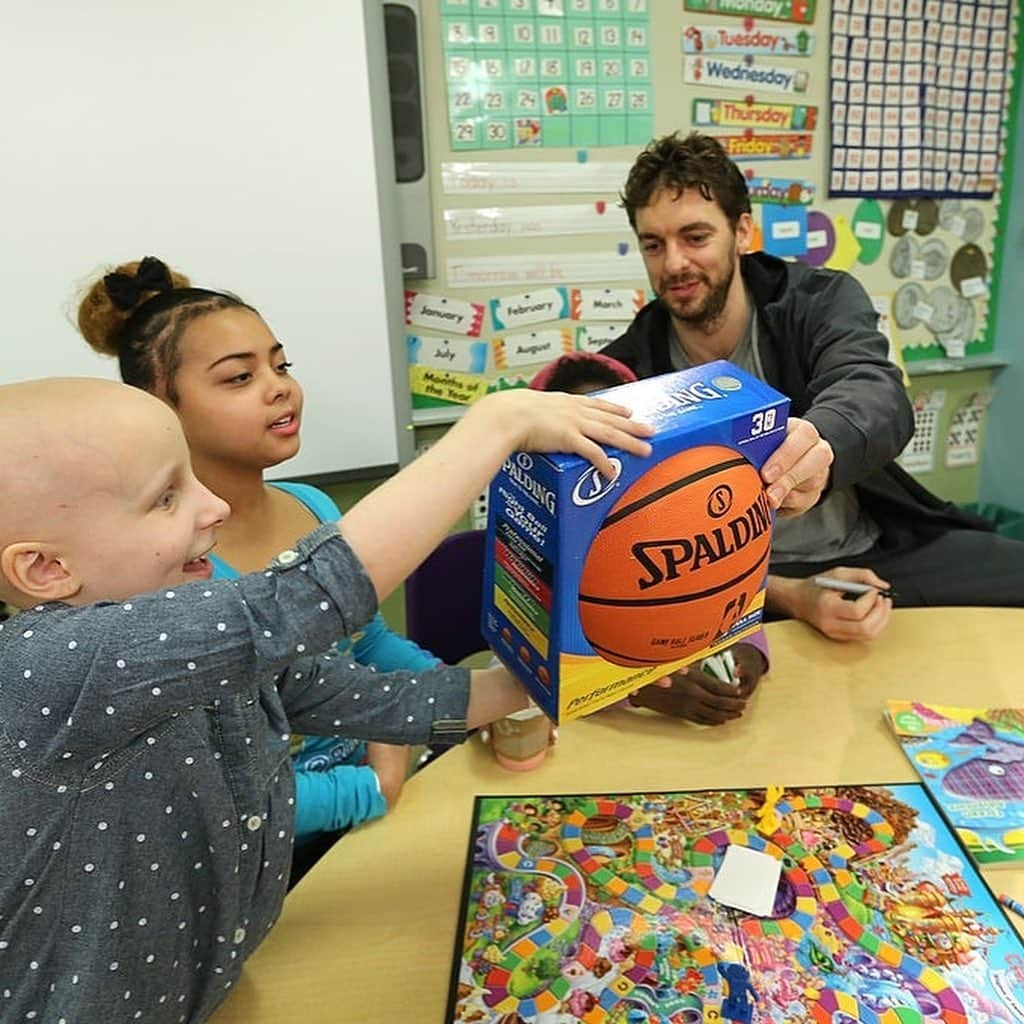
(369, 934)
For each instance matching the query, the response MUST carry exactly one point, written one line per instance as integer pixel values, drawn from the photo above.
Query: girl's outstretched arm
(397, 525)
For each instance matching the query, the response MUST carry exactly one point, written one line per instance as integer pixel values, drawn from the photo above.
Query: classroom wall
(1002, 470)
(970, 380)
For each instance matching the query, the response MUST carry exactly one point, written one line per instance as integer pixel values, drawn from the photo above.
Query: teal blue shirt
(334, 787)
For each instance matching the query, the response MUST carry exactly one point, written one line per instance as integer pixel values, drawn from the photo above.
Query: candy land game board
(972, 761)
(594, 909)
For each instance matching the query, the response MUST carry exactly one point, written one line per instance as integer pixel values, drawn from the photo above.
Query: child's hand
(391, 765)
(828, 611)
(546, 421)
(750, 666)
(694, 696)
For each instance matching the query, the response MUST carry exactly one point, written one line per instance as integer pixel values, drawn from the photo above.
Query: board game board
(594, 909)
(972, 762)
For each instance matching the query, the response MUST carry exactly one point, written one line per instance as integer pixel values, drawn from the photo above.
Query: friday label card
(767, 147)
(439, 313)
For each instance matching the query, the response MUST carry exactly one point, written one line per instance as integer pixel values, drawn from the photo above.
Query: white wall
(235, 140)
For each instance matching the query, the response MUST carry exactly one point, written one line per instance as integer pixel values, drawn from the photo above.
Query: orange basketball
(678, 559)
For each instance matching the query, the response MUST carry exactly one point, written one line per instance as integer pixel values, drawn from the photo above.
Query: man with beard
(812, 334)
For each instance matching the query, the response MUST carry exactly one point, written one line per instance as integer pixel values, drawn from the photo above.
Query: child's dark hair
(674, 163)
(581, 372)
(139, 312)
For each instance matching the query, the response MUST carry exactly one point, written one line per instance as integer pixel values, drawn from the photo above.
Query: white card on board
(747, 880)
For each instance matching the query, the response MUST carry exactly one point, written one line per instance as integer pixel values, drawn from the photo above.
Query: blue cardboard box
(594, 587)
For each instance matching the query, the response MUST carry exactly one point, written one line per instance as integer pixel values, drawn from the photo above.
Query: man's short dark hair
(674, 163)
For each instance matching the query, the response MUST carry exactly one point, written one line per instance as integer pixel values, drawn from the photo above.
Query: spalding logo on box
(595, 587)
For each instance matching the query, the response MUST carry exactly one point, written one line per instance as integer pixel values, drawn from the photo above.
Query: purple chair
(444, 597)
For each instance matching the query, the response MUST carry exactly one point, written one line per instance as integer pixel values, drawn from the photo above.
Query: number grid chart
(920, 92)
(545, 73)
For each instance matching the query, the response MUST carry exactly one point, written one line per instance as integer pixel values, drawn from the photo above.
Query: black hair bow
(125, 290)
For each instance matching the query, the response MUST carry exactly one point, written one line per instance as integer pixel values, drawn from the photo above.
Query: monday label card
(801, 11)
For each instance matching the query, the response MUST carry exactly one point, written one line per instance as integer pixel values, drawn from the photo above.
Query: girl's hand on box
(548, 421)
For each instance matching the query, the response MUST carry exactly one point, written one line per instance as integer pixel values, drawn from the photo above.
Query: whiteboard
(245, 143)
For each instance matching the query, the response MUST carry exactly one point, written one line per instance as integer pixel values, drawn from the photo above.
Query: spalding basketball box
(593, 588)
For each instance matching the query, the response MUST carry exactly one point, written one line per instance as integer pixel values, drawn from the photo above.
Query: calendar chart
(544, 73)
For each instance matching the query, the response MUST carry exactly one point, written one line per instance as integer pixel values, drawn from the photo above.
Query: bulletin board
(535, 256)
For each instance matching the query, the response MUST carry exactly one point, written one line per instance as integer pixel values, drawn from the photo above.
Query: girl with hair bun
(214, 360)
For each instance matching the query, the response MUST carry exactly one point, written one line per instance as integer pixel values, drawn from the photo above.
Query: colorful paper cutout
(821, 238)
(867, 224)
(968, 271)
(785, 229)
(756, 243)
(847, 248)
(918, 215)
